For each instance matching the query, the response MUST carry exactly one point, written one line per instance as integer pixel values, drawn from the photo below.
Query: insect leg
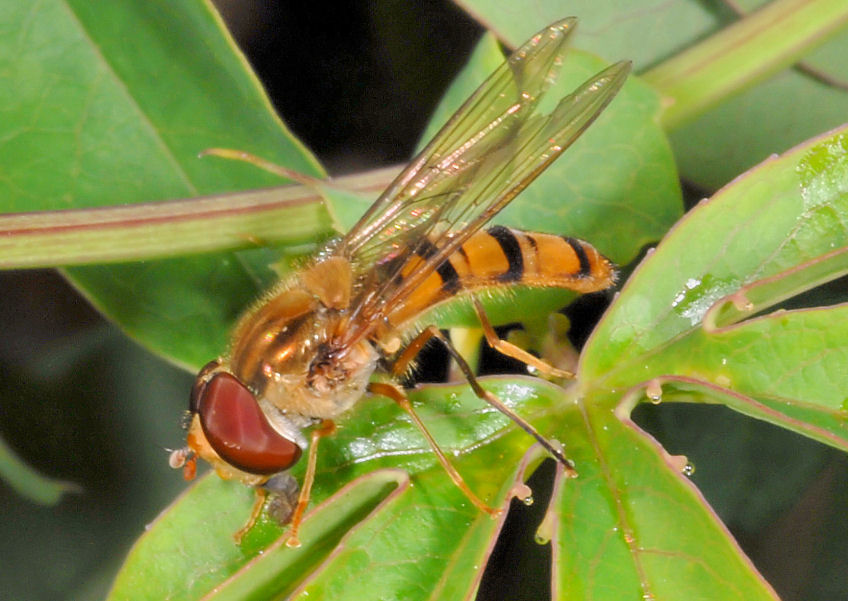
(260, 495)
(510, 350)
(397, 395)
(434, 332)
(326, 428)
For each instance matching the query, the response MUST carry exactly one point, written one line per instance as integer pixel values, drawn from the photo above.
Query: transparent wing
(486, 120)
(489, 151)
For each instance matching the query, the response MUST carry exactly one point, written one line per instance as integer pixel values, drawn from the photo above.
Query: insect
(305, 354)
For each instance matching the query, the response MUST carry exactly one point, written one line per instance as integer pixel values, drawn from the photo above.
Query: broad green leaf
(183, 308)
(382, 536)
(772, 232)
(111, 104)
(633, 527)
(774, 116)
(407, 548)
(394, 535)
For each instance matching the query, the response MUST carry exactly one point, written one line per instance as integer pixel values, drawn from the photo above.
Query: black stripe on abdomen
(511, 250)
(450, 278)
(585, 266)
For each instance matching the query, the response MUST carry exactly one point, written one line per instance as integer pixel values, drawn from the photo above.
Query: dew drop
(528, 500)
(688, 469)
(741, 302)
(654, 392)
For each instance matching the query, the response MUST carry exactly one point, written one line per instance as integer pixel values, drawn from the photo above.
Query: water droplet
(741, 302)
(540, 539)
(528, 500)
(723, 381)
(654, 392)
(698, 295)
(688, 469)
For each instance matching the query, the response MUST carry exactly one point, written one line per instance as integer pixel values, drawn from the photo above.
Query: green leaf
(184, 308)
(632, 526)
(383, 535)
(770, 233)
(376, 531)
(350, 544)
(777, 114)
(781, 111)
(111, 105)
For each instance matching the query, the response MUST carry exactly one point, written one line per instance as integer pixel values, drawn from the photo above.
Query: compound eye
(238, 430)
(200, 384)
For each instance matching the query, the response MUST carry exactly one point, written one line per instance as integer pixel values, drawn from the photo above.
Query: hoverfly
(304, 354)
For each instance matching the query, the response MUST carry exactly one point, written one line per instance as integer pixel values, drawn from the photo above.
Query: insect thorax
(287, 353)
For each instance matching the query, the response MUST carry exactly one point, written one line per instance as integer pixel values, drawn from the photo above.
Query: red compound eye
(200, 384)
(238, 430)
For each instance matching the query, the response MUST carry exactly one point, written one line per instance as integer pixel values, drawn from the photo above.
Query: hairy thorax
(288, 350)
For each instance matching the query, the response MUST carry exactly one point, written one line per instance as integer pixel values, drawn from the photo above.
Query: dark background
(356, 82)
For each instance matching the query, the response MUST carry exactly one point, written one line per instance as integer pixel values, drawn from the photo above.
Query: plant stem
(286, 215)
(742, 55)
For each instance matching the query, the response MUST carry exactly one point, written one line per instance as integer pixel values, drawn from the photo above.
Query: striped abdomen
(502, 256)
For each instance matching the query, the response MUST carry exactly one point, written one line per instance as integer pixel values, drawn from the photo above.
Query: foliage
(111, 104)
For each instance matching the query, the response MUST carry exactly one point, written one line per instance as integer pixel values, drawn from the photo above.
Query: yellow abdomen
(501, 256)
